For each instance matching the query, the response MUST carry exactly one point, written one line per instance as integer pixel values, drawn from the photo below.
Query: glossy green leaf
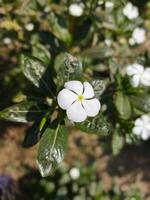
(33, 69)
(41, 52)
(141, 102)
(97, 125)
(123, 105)
(99, 87)
(52, 148)
(23, 112)
(67, 67)
(117, 142)
(32, 136)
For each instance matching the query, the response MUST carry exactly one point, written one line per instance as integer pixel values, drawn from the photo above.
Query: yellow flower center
(80, 98)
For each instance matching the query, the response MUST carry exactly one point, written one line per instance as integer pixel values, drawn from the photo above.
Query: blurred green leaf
(97, 125)
(41, 52)
(123, 105)
(51, 151)
(58, 28)
(117, 142)
(141, 102)
(97, 52)
(23, 112)
(82, 29)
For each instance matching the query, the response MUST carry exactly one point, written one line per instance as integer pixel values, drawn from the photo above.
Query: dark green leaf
(99, 87)
(33, 69)
(41, 52)
(97, 125)
(23, 112)
(51, 151)
(117, 142)
(141, 102)
(67, 68)
(32, 136)
(82, 30)
(97, 52)
(123, 105)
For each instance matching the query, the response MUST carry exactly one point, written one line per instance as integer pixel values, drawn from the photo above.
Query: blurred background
(96, 31)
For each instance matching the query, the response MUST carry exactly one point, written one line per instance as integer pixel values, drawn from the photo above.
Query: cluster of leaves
(55, 32)
(61, 185)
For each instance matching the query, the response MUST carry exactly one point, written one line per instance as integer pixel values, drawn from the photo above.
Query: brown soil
(129, 169)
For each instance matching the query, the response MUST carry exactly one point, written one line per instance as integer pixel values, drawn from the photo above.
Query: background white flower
(139, 75)
(130, 11)
(139, 35)
(29, 27)
(78, 100)
(142, 127)
(109, 4)
(76, 10)
(74, 173)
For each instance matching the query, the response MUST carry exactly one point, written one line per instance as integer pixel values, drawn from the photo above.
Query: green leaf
(97, 52)
(23, 112)
(51, 151)
(99, 87)
(32, 136)
(97, 125)
(123, 105)
(41, 52)
(33, 69)
(141, 102)
(82, 30)
(67, 68)
(117, 142)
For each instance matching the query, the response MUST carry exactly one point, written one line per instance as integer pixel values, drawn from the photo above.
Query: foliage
(50, 46)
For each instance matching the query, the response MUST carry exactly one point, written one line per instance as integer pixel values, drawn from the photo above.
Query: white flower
(142, 127)
(108, 42)
(74, 173)
(139, 35)
(139, 75)
(130, 11)
(109, 4)
(29, 27)
(78, 100)
(7, 40)
(76, 10)
(131, 41)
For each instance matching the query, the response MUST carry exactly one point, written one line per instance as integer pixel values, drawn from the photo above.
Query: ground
(129, 169)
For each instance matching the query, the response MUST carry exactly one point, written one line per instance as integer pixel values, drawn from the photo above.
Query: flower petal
(145, 79)
(134, 69)
(76, 112)
(145, 134)
(88, 90)
(65, 98)
(137, 130)
(135, 81)
(139, 122)
(75, 86)
(145, 118)
(92, 107)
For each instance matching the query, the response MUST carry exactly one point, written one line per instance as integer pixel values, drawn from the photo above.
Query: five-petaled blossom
(78, 100)
(139, 75)
(142, 127)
